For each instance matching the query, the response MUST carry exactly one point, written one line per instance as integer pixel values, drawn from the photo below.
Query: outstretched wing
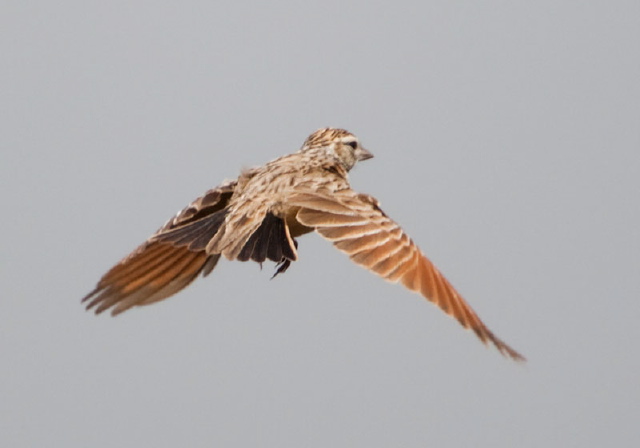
(168, 261)
(356, 225)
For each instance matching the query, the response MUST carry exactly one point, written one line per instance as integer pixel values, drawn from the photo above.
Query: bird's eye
(353, 144)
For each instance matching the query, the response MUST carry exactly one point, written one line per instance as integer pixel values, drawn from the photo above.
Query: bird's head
(337, 143)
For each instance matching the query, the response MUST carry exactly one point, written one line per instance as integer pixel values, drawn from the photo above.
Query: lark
(258, 217)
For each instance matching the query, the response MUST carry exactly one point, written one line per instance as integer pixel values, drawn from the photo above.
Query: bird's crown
(338, 143)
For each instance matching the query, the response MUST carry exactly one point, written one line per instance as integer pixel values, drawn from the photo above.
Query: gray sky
(507, 142)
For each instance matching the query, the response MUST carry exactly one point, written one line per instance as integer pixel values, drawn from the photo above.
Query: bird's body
(259, 215)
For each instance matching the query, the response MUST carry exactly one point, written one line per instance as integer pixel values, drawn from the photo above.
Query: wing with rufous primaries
(168, 261)
(356, 225)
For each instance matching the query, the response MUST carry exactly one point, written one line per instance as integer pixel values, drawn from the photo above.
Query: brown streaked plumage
(258, 217)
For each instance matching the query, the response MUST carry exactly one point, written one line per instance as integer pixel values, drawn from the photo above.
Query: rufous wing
(168, 261)
(356, 225)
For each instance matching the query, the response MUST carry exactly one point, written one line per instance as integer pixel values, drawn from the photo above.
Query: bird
(259, 217)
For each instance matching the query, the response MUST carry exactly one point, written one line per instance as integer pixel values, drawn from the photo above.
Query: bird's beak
(362, 154)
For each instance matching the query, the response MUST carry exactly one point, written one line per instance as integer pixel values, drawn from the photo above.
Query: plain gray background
(506, 138)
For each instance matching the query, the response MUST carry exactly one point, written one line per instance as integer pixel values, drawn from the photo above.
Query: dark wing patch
(195, 234)
(271, 240)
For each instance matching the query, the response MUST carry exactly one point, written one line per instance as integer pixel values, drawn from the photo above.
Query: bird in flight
(259, 215)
